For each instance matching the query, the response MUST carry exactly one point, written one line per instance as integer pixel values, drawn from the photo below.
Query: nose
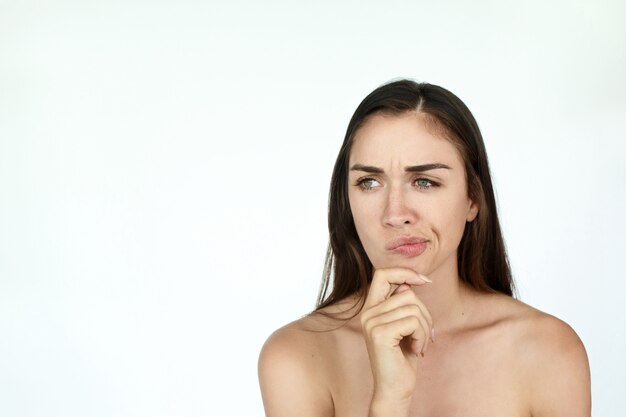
(398, 212)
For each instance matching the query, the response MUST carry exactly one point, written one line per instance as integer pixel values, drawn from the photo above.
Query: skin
(491, 354)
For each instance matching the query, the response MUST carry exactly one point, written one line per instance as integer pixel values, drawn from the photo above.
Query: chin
(409, 263)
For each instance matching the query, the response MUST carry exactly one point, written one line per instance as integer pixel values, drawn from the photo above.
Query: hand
(396, 326)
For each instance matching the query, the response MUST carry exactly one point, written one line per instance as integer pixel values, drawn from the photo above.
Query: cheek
(360, 206)
(360, 214)
(364, 216)
(454, 223)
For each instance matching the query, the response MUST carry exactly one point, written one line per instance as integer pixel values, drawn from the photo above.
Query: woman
(420, 320)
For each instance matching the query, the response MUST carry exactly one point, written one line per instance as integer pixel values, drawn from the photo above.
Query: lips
(409, 246)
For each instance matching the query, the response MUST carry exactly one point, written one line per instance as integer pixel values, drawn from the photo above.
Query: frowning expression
(408, 193)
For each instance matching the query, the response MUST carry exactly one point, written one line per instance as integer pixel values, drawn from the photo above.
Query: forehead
(403, 140)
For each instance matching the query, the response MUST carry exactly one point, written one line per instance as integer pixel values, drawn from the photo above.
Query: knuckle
(368, 327)
(364, 318)
(410, 296)
(366, 323)
(411, 310)
(377, 333)
(414, 321)
(379, 274)
(415, 310)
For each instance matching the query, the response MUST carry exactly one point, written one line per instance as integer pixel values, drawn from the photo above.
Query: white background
(164, 172)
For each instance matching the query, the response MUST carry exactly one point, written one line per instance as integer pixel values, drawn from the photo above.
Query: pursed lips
(404, 241)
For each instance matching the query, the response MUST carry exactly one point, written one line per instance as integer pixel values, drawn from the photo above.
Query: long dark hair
(482, 260)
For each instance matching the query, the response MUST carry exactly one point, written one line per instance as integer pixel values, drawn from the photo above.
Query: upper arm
(289, 377)
(561, 383)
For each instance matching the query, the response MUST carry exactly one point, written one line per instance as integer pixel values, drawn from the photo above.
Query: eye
(367, 184)
(424, 183)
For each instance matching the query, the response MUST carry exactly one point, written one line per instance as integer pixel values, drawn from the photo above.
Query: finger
(392, 333)
(415, 347)
(423, 340)
(394, 315)
(425, 311)
(377, 314)
(418, 347)
(418, 332)
(419, 335)
(398, 300)
(414, 298)
(419, 338)
(400, 289)
(384, 279)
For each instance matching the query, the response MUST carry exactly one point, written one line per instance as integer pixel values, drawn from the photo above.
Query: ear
(472, 211)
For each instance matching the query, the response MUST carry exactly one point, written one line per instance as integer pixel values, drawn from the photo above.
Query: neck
(448, 299)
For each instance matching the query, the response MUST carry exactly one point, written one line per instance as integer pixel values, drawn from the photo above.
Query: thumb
(419, 279)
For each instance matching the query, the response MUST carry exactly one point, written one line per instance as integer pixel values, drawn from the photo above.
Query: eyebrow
(413, 168)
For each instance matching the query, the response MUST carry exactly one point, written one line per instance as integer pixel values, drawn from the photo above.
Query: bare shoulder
(541, 335)
(310, 339)
(552, 361)
(291, 370)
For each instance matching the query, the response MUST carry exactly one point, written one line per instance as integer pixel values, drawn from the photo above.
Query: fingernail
(432, 334)
(425, 278)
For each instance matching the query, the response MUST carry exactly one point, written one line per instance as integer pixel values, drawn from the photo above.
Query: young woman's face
(408, 194)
